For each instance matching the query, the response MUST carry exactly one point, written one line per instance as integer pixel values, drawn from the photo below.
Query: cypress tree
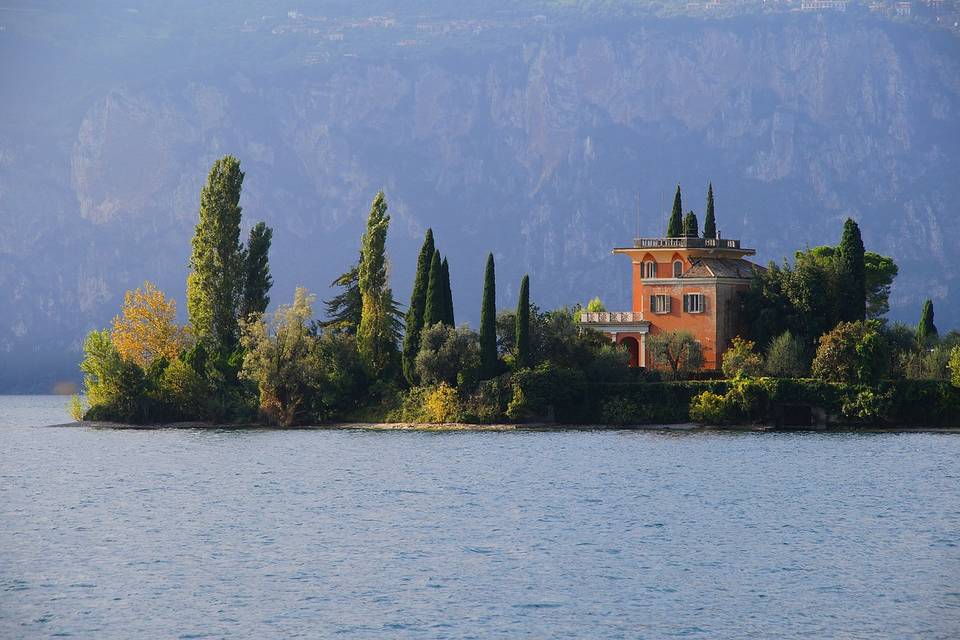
(418, 303)
(854, 291)
(257, 281)
(375, 337)
(675, 226)
(926, 330)
(710, 222)
(488, 323)
(690, 225)
(435, 308)
(523, 325)
(215, 283)
(447, 293)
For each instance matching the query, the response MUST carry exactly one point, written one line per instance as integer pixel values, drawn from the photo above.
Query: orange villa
(682, 283)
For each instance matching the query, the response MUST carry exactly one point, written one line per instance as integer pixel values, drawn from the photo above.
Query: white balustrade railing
(610, 317)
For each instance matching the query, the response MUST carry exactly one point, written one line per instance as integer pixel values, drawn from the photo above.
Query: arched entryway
(633, 347)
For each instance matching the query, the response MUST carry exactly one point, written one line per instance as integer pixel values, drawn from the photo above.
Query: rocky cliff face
(535, 147)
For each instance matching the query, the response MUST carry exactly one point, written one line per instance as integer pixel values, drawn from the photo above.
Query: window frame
(662, 309)
(677, 268)
(701, 303)
(648, 269)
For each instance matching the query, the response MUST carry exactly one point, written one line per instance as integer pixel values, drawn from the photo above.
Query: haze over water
(193, 534)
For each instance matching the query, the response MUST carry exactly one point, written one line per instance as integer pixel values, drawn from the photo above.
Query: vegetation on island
(816, 336)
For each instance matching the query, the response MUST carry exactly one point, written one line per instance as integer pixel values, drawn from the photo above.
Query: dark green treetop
(675, 226)
(257, 280)
(435, 307)
(488, 323)
(344, 309)
(447, 293)
(523, 325)
(854, 298)
(418, 303)
(710, 222)
(926, 330)
(690, 225)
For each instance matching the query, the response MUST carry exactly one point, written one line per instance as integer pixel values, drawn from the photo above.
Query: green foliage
(595, 306)
(675, 225)
(741, 359)
(678, 350)
(447, 294)
(278, 360)
(435, 307)
(785, 357)
(879, 272)
(926, 364)
(710, 222)
(522, 325)
(853, 352)
(448, 355)
(101, 368)
(546, 393)
(691, 228)
(376, 338)
(77, 407)
(346, 308)
(955, 366)
(415, 312)
(853, 306)
(620, 410)
(216, 279)
(865, 404)
(257, 280)
(185, 390)
(709, 408)
(489, 363)
(926, 331)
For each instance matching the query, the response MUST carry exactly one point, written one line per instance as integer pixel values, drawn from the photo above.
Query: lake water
(579, 534)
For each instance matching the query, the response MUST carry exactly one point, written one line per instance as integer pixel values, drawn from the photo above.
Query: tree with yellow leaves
(147, 328)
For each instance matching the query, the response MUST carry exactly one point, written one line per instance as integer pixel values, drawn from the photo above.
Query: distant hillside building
(686, 283)
(820, 5)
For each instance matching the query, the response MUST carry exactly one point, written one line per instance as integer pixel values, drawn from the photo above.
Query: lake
(573, 534)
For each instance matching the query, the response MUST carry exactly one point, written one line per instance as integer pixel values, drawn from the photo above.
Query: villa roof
(721, 268)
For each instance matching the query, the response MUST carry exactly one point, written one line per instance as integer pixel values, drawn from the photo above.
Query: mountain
(530, 130)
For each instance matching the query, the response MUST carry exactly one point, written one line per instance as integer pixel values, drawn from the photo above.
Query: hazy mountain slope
(529, 136)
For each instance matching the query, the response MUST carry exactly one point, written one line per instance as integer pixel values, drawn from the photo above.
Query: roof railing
(610, 317)
(685, 243)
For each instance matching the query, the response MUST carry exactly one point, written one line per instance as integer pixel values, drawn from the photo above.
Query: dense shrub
(547, 393)
(785, 357)
(741, 359)
(448, 355)
(852, 352)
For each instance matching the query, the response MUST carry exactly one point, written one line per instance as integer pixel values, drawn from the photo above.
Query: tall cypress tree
(854, 293)
(690, 225)
(257, 280)
(418, 303)
(710, 222)
(675, 226)
(435, 307)
(488, 323)
(215, 283)
(523, 325)
(926, 330)
(375, 337)
(447, 294)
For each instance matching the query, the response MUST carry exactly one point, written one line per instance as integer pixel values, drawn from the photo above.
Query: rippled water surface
(314, 534)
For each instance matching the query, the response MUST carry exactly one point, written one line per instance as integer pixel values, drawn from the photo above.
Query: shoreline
(501, 427)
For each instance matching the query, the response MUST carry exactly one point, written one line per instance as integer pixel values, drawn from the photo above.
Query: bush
(852, 352)
(785, 357)
(709, 408)
(621, 410)
(679, 350)
(184, 390)
(866, 404)
(955, 366)
(448, 356)
(741, 359)
(442, 404)
(546, 393)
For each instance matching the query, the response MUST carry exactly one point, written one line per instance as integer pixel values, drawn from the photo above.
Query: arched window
(649, 269)
(677, 268)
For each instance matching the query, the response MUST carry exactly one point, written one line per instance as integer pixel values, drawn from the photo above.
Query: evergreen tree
(257, 281)
(523, 325)
(488, 323)
(415, 312)
(854, 294)
(215, 283)
(375, 338)
(710, 222)
(690, 225)
(675, 226)
(926, 330)
(344, 309)
(435, 307)
(447, 294)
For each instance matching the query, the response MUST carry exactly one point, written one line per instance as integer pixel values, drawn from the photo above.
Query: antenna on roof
(638, 214)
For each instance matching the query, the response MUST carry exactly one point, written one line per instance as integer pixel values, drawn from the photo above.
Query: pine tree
(675, 226)
(926, 330)
(375, 337)
(346, 308)
(854, 294)
(710, 222)
(690, 225)
(447, 294)
(488, 323)
(418, 303)
(435, 307)
(257, 281)
(523, 325)
(215, 283)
